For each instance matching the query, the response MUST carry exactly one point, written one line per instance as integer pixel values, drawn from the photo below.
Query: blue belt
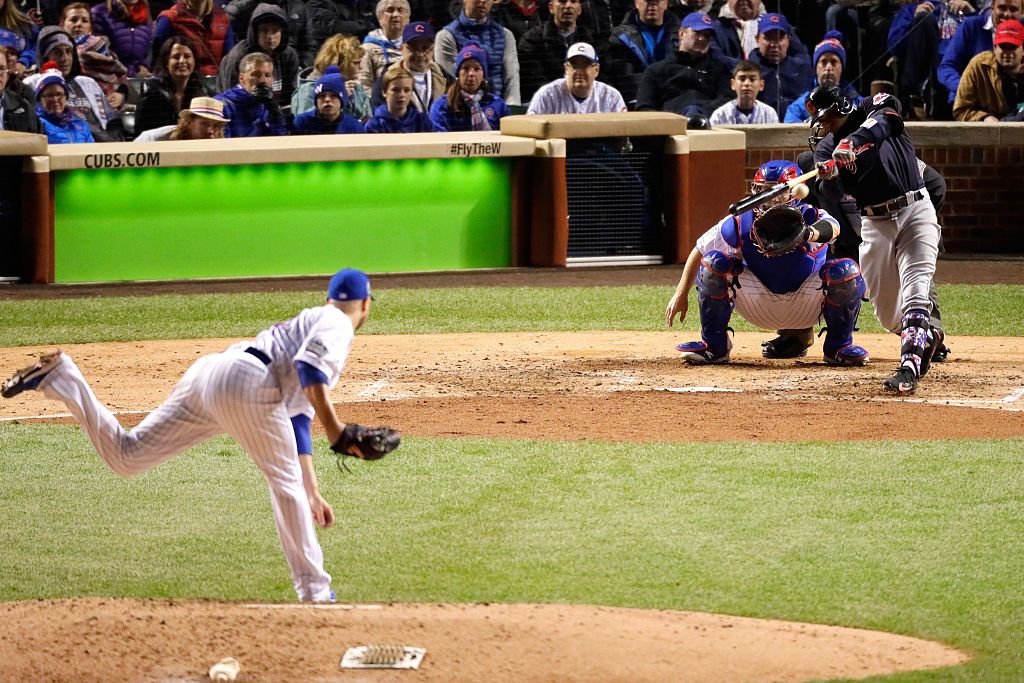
(259, 355)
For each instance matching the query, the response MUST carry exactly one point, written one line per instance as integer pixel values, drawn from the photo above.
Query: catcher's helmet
(825, 98)
(772, 173)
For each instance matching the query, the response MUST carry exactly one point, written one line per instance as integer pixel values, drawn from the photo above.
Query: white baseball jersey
(756, 303)
(555, 98)
(730, 114)
(232, 392)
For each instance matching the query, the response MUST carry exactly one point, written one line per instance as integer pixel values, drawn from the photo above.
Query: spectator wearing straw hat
(203, 120)
(579, 92)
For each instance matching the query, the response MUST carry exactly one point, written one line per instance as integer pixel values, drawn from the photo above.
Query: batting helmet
(698, 122)
(825, 98)
(772, 173)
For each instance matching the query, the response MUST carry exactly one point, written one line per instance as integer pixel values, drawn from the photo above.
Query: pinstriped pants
(791, 311)
(230, 392)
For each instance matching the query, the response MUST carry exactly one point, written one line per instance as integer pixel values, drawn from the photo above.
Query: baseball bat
(763, 196)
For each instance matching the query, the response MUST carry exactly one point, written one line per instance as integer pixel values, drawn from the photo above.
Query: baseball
(800, 191)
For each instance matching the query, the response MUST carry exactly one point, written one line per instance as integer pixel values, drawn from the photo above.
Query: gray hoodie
(285, 58)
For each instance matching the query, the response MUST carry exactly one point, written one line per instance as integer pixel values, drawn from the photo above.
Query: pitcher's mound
(92, 639)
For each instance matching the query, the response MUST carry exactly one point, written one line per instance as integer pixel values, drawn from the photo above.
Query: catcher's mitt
(779, 230)
(367, 443)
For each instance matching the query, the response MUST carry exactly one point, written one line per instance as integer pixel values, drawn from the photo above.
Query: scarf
(478, 121)
(747, 29)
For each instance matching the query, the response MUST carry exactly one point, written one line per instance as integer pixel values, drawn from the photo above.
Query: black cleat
(903, 382)
(30, 377)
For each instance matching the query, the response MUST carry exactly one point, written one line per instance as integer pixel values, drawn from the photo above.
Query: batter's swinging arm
(760, 198)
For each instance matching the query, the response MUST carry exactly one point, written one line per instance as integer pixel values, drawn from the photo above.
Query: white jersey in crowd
(320, 336)
(555, 98)
(730, 114)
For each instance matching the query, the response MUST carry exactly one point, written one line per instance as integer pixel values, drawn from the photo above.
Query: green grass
(967, 310)
(923, 540)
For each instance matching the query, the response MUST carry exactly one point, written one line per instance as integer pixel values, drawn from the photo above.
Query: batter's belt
(893, 205)
(259, 355)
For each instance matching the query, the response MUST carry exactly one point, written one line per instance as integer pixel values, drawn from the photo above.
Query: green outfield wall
(276, 219)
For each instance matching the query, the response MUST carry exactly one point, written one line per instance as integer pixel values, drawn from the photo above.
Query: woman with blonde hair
(14, 20)
(203, 120)
(206, 26)
(342, 51)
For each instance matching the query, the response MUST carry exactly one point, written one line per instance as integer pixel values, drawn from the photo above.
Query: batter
(868, 155)
(263, 393)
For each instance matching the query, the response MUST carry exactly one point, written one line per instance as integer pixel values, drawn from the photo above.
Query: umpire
(867, 154)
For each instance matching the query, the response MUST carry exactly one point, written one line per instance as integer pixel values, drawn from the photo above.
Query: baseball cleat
(941, 354)
(30, 377)
(851, 356)
(903, 382)
(789, 344)
(937, 336)
(698, 353)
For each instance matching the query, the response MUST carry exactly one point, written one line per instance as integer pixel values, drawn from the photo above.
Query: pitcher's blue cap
(349, 284)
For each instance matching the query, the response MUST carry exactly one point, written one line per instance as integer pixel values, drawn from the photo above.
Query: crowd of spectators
(116, 69)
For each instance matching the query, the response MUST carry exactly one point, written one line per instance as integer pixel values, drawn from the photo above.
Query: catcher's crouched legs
(714, 280)
(844, 290)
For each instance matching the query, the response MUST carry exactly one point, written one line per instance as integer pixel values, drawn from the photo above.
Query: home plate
(698, 390)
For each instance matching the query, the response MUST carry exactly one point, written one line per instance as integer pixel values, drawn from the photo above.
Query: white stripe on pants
(897, 258)
(792, 311)
(230, 392)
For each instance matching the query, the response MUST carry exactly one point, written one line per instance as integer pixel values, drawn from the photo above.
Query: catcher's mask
(772, 173)
(826, 98)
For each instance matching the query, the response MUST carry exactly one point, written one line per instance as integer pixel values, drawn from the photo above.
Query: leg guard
(844, 289)
(715, 281)
(915, 338)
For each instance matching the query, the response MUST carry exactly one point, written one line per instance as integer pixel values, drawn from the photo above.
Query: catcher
(263, 393)
(770, 264)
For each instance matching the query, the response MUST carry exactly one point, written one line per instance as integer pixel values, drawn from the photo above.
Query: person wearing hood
(60, 124)
(16, 112)
(469, 103)
(268, 33)
(328, 116)
(85, 97)
(786, 74)
(298, 17)
(397, 115)
(250, 105)
(382, 47)
(829, 65)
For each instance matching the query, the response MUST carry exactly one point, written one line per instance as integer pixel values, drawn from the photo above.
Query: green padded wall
(281, 219)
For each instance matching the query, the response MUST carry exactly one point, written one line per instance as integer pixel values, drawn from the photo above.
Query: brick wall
(983, 165)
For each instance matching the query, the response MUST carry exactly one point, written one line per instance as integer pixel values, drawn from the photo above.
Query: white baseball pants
(897, 258)
(230, 392)
(791, 311)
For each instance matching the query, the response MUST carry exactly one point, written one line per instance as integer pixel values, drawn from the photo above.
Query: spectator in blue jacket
(736, 29)
(829, 65)
(327, 117)
(785, 75)
(647, 35)
(973, 37)
(397, 115)
(469, 104)
(60, 124)
(251, 105)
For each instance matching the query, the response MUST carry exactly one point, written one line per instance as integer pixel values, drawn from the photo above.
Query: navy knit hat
(332, 81)
(832, 42)
(471, 50)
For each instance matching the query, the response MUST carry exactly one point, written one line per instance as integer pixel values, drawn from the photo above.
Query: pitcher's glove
(779, 230)
(367, 443)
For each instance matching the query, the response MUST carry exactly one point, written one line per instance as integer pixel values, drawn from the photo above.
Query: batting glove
(827, 170)
(844, 155)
